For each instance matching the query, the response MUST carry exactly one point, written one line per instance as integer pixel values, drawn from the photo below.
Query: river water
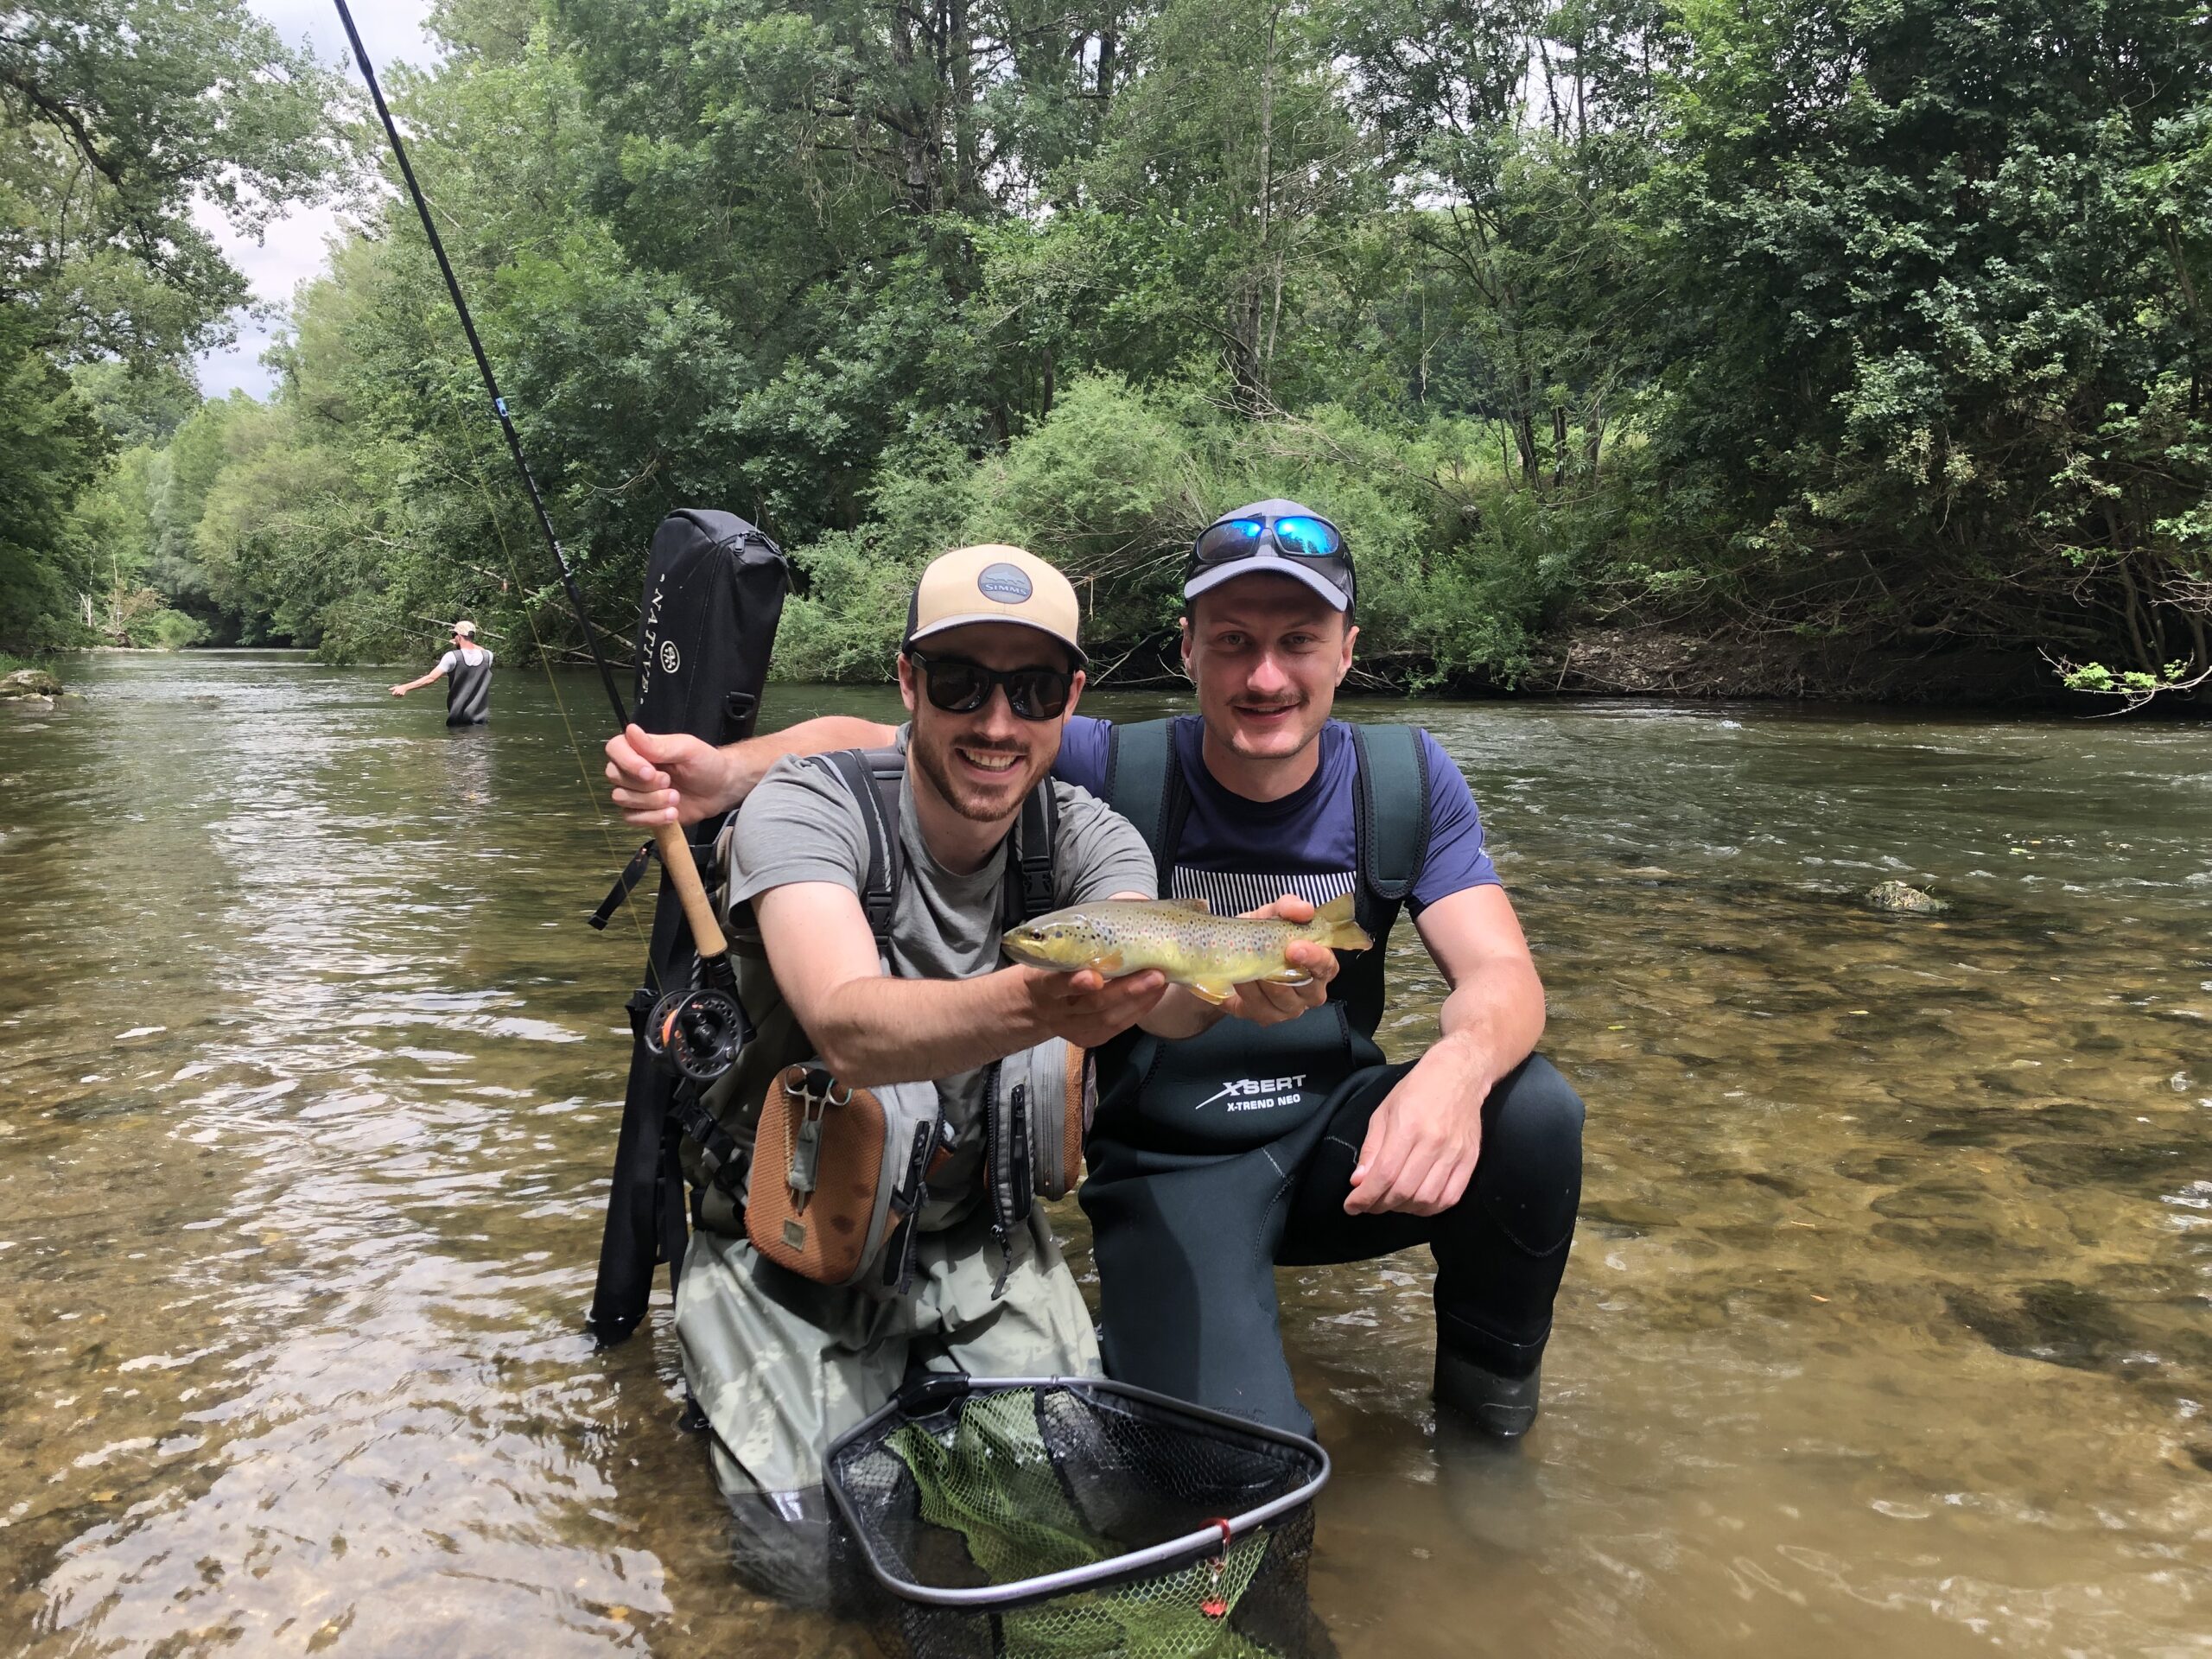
(1887, 1325)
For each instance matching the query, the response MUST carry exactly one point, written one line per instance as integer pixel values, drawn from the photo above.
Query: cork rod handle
(676, 858)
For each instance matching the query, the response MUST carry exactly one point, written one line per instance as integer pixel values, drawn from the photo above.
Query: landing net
(1070, 1518)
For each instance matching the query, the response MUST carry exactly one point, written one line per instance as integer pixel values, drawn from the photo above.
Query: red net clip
(1216, 1606)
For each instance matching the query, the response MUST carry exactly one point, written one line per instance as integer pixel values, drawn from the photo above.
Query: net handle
(1216, 1535)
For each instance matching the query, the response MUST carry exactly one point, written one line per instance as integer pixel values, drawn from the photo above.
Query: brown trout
(1180, 938)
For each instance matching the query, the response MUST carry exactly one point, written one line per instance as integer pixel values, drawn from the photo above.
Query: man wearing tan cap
(779, 1364)
(468, 698)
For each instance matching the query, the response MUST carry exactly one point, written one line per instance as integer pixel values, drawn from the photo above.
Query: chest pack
(1145, 783)
(832, 1183)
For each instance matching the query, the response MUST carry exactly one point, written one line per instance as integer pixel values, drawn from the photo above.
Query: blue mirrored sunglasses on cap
(1297, 536)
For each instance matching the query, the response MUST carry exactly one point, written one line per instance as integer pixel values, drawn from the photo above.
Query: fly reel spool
(698, 1031)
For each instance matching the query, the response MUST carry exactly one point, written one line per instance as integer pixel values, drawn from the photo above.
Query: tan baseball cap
(994, 583)
(466, 630)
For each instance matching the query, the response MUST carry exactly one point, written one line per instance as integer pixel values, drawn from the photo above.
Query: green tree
(51, 448)
(1938, 358)
(117, 117)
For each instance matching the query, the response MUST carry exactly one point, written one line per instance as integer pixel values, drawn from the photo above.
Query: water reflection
(1886, 1325)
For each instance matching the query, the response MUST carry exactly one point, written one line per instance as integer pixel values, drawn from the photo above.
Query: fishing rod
(698, 1029)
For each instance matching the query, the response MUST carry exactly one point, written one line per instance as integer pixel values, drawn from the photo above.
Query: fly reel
(698, 1031)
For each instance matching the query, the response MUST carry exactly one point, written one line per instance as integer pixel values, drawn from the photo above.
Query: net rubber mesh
(1006, 1483)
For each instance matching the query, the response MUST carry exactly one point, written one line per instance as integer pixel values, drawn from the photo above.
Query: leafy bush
(1458, 562)
(168, 630)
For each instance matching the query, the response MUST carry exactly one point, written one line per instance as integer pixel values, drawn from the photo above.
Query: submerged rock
(1896, 898)
(29, 682)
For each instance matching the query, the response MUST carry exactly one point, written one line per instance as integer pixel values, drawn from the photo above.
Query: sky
(293, 247)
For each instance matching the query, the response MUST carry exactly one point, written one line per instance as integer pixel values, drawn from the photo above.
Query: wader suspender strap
(1390, 828)
(1393, 767)
(1144, 784)
(1028, 892)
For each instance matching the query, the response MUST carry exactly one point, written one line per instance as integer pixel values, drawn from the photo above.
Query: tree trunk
(1524, 425)
(1252, 337)
(960, 50)
(916, 156)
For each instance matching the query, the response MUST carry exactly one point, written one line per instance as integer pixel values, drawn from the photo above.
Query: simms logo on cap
(994, 583)
(1005, 584)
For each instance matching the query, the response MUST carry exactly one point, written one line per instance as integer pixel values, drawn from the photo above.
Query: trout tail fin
(1332, 926)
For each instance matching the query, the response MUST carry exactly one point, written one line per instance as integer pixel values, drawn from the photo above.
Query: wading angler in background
(468, 693)
(1216, 1157)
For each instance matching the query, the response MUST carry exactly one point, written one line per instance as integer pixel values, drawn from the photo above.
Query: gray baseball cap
(1276, 538)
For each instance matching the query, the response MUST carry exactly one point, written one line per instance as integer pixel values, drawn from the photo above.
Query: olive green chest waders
(1198, 1144)
(967, 1279)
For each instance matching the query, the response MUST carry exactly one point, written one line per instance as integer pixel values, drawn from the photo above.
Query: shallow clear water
(1887, 1322)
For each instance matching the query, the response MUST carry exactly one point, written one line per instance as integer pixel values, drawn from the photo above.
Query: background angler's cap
(995, 583)
(466, 630)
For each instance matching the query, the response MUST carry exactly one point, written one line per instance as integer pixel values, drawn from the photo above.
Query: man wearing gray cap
(1219, 1156)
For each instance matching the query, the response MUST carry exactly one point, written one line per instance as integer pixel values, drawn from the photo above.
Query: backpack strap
(1144, 784)
(1390, 808)
(872, 777)
(1029, 876)
(1390, 836)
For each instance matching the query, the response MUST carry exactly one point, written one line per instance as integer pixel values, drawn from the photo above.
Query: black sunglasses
(960, 687)
(1294, 535)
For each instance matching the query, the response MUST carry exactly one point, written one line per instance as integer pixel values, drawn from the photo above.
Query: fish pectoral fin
(1290, 977)
(1106, 964)
(1215, 991)
(1198, 905)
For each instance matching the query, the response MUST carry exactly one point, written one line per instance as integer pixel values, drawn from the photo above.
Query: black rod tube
(483, 363)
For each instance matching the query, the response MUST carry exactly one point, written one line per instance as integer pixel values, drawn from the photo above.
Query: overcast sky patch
(295, 246)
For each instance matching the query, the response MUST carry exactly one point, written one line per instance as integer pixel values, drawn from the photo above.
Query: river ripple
(1886, 1323)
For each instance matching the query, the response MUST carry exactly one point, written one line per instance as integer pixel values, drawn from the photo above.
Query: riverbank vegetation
(1650, 344)
(129, 130)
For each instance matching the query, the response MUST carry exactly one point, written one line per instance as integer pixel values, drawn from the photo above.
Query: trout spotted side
(1180, 938)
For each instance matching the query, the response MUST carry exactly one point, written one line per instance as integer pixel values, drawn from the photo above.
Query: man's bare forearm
(874, 1031)
(1495, 1015)
(744, 765)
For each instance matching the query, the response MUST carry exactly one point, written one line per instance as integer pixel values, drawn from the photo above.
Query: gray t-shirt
(472, 656)
(802, 825)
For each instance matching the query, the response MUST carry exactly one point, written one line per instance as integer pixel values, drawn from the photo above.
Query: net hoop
(933, 1394)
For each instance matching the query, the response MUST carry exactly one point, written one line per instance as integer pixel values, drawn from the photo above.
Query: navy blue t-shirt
(1238, 855)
